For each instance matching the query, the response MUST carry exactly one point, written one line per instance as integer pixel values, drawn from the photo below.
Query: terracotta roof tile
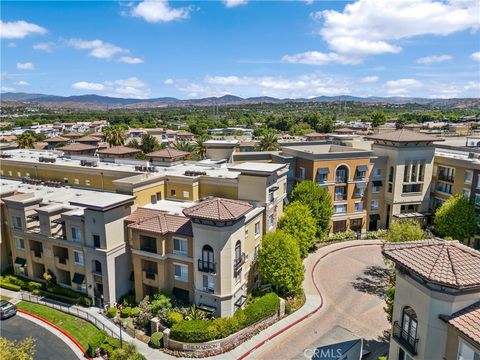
(88, 138)
(168, 153)
(403, 135)
(467, 321)
(77, 147)
(160, 222)
(72, 134)
(446, 263)
(56, 139)
(119, 150)
(218, 210)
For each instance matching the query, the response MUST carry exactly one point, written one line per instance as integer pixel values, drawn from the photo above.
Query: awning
(323, 171)
(377, 183)
(20, 261)
(374, 217)
(207, 308)
(362, 168)
(78, 278)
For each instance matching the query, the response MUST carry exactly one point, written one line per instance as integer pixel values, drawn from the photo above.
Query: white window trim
(180, 252)
(81, 255)
(257, 234)
(17, 242)
(180, 278)
(79, 239)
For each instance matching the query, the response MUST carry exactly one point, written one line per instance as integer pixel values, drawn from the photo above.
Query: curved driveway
(352, 283)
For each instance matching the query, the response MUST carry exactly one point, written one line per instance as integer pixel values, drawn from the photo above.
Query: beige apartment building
(436, 313)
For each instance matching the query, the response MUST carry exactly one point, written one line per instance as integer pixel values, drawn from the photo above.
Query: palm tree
(185, 146)
(26, 140)
(201, 149)
(114, 136)
(269, 142)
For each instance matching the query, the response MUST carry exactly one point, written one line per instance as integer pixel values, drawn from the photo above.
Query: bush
(173, 317)
(32, 285)
(228, 326)
(128, 299)
(95, 341)
(14, 280)
(135, 311)
(86, 301)
(111, 311)
(36, 292)
(126, 312)
(262, 308)
(156, 341)
(58, 290)
(59, 298)
(194, 331)
(342, 236)
(9, 286)
(379, 234)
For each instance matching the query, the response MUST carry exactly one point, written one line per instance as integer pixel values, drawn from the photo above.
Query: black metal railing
(149, 249)
(443, 177)
(408, 341)
(238, 262)
(150, 275)
(340, 179)
(206, 266)
(340, 197)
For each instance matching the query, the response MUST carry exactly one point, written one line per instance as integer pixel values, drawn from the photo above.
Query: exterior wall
(144, 196)
(5, 239)
(184, 189)
(453, 344)
(219, 188)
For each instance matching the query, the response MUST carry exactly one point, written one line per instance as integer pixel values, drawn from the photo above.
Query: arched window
(97, 266)
(409, 324)
(238, 251)
(207, 255)
(341, 174)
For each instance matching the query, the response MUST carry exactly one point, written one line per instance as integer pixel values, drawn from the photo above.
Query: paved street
(351, 283)
(48, 346)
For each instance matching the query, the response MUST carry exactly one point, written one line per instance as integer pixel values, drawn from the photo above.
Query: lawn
(3, 297)
(80, 329)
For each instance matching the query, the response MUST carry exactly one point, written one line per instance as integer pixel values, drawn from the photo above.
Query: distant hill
(107, 101)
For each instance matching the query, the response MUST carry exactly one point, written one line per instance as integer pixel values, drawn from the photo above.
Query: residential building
(436, 312)
(117, 152)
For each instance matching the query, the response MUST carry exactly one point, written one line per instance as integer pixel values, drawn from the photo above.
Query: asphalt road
(48, 346)
(352, 282)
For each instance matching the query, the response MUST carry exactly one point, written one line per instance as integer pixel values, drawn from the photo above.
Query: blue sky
(248, 48)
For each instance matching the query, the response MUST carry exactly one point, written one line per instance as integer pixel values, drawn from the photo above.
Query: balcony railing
(238, 262)
(340, 179)
(340, 197)
(358, 194)
(446, 178)
(36, 254)
(61, 261)
(405, 339)
(149, 249)
(206, 266)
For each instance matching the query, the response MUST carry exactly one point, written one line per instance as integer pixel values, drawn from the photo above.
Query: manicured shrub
(173, 317)
(135, 311)
(33, 285)
(156, 340)
(14, 280)
(228, 326)
(379, 234)
(111, 311)
(9, 286)
(86, 301)
(342, 236)
(126, 312)
(95, 341)
(36, 292)
(264, 307)
(58, 290)
(194, 331)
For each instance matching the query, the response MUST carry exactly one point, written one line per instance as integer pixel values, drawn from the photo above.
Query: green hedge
(95, 341)
(156, 340)
(111, 311)
(66, 292)
(173, 317)
(9, 286)
(207, 330)
(125, 313)
(135, 312)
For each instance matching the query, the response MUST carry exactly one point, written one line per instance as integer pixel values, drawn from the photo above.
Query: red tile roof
(77, 147)
(72, 134)
(88, 138)
(403, 135)
(467, 321)
(56, 139)
(218, 210)
(159, 222)
(445, 263)
(168, 153)
(119, 150)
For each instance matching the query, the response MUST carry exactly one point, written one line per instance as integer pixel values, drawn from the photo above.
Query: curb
(55, 327)
(304, 317)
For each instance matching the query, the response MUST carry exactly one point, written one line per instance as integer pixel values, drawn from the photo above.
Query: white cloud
(44, 46)
(83, 85)
(309, 2)
(12, 45)
(402, 86)
(373, 26)
(131, 87)
(168, 82)
(6, 89)
(25, 66)
(98, 48)
(19, 29)
(369, 79)
(159, 11)
(434, 59)
(22, 83)
(130, 60)
(234, 3)
(476, 56)
(319, 58)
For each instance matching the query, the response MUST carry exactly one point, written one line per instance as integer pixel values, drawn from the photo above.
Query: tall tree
(280, 263)
(201, 149)
(319, 202)
(150, 144)
(326, 125)
(378, 118)
(405, 230)
(26, 140)
(185, 146)
(269, 142)
(114, 135)
(298, 222)
(456, 218)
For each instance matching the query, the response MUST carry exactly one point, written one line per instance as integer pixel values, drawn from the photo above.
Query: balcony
(36, 255)
(341, 180)
(61, 262)
(340, 197)
(405, 339)
(206, 266)
(237, 264)
(149, 277)
(358, 194)
(149, 249)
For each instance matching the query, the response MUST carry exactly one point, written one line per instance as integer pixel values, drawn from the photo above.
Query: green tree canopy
(26, 140)
(405, 230)
(298, 222)
(280, 263)
(456, 218)
(269, 142)
(325, 125)
(319, 202)
(18, 350)
(150, 144)
(378, 118)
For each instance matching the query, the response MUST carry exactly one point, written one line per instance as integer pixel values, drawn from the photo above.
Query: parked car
(7, 309)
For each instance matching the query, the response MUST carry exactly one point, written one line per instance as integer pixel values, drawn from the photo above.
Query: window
(148, 244)
(340, 193)
(445, 188)
(20, 243)
(270, 220)
(17, 222)
(271, 196)
(97, 266)
(478, 181)
(340, 209)
(466, 193)
(468, 176)
(65, 180)
(87, 182)
(359, 206)
(390, 188)
(173, 192)
(446, 174)
(78, 256)
(477, 200)
(27, 174)
(96, 241)
(186, 194)
(208, 283)
(257, 228)
(207, 262)
(413, 188)
(405, 173)
(10, 173)
(341, 174)
(301, 173)
(153, 199)
(421, 172)
(76, 234)
(409, 324)
(466, 352)
(76, 181)
(375, 189)
(374, 205)
(159, 195)
(377, 172)
(238, 252)
(181, 272)
(19, 174)
(180, 247)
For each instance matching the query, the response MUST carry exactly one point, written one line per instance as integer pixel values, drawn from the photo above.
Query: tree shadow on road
(374, 281)
(377, 347)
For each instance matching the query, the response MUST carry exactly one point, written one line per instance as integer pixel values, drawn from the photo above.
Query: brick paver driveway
(351, 282)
